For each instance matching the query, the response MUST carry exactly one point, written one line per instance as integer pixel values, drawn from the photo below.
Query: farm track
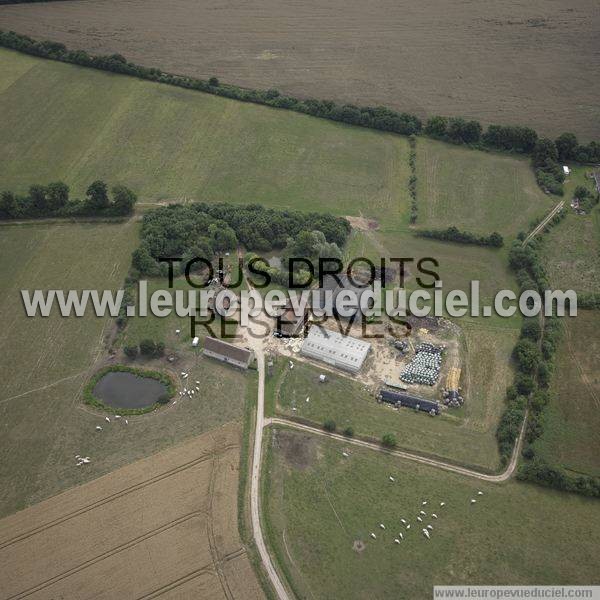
(111, 497)
(545, 222)
(504, 476)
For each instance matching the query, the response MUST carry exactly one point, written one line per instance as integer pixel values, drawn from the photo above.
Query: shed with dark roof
(403, 399)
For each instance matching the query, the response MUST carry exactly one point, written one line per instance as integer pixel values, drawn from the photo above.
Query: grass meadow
(571, 421)
(66, 122)
(47, 361)
(572, 252)
(318, 504)
(476, 191)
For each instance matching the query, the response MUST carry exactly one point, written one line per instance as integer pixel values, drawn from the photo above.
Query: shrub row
(540, 472)
(534, 356)
(412, 181)
(53, 200)
(453, 234)
(455, 130)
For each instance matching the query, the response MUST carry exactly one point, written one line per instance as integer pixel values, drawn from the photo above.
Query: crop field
(466, 436)
(571, 421)
(572, 252)
(46, 363)
(65, 122)
(476, 191)
(467, 58)
(321, 508)
(165, 525)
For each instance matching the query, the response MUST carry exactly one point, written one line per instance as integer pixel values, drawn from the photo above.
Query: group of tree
(147, 348)
(453, 234)
(53, 200)
(587, 198)
(206, 230)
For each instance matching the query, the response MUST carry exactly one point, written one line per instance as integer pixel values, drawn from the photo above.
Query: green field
(46, 363)
(466, 436)
(572, 252)
(65, 122)
(317, 504)
(476, 191)
(571, 421)
(458, 264)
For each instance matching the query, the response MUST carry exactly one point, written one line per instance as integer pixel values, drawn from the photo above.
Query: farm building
(228, 353)
(289, 324)
(333, 348)
(404, 399)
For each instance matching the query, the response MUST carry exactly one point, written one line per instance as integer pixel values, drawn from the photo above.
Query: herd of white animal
(426, 531)
(188, 391)
(86, 460)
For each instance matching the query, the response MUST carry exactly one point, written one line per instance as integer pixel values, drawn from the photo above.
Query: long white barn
(333, 348)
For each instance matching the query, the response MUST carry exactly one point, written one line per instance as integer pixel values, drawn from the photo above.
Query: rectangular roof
(226, 349)
(331, 346)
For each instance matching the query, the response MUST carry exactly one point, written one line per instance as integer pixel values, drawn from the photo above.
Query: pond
(126, 390)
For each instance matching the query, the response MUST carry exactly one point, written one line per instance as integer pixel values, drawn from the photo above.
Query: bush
(147, 347)
(349, 432)
(527, 355)
(329, 425)
(388, 440)
(524, 384)
(131, 351)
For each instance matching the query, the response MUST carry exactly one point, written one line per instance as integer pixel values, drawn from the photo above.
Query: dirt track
(163, 526)
(530, 63)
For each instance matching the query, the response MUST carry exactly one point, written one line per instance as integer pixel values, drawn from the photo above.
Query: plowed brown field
(163, 526)
(527, 62)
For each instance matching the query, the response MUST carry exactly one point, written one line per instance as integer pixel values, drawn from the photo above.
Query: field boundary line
(107, 554)
(44, 387)
(138, 486)
(504, 476)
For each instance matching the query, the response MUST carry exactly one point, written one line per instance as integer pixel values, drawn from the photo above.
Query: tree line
(52, 200)
(453, 234)
(545, 153)
(534, 356)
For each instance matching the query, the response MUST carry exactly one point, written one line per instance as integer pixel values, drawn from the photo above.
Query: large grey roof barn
(331, 347)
